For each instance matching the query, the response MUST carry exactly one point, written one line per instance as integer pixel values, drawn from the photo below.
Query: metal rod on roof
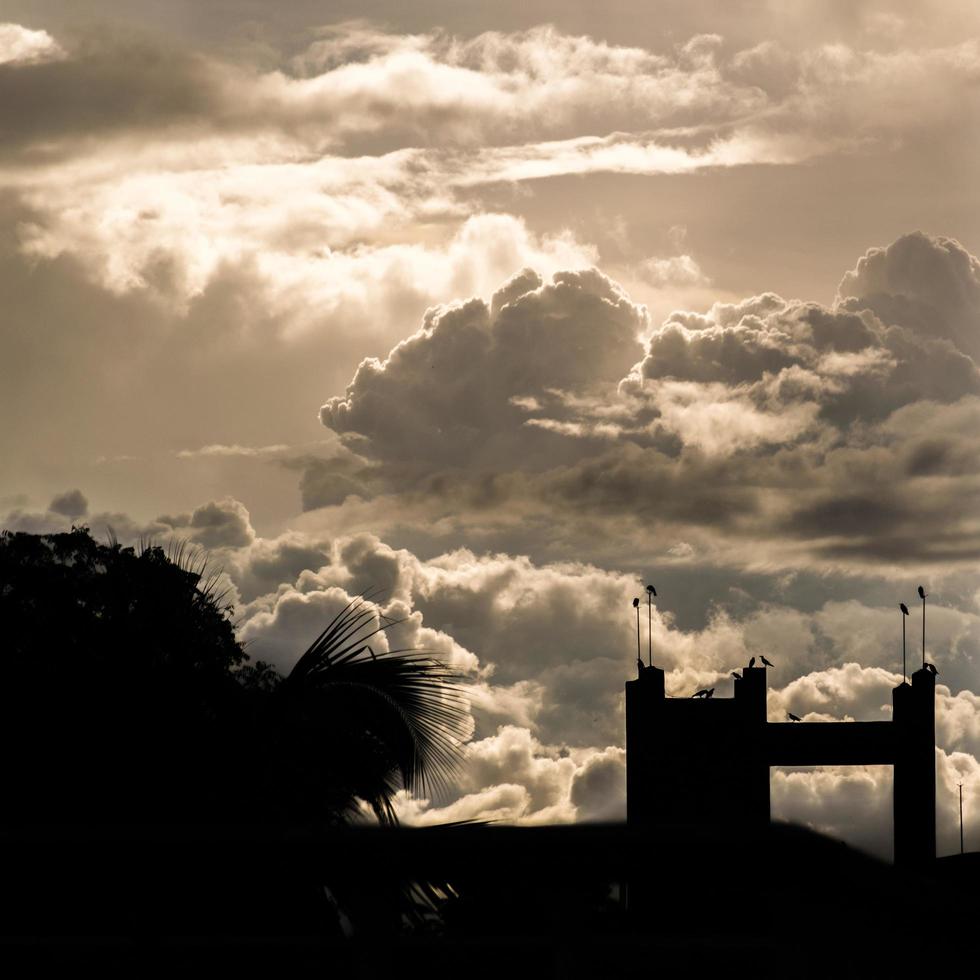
(922, 596)
(636, 606)
(961, 818)
(651, 592)
(905, 612)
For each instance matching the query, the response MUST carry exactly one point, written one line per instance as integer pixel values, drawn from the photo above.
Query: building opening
(851, 803)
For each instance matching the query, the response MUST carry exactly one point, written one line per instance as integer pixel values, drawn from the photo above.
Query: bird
(932, 668)
(736, 675)
(793, 717)
(904, 608)
(636, 603)
(710, 693)
(922, 592)
(765, 663)
(703, 693)
(651, 590)
(752, 662)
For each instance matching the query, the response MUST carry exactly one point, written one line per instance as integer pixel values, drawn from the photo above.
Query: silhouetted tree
(127, 698)
(119, 696)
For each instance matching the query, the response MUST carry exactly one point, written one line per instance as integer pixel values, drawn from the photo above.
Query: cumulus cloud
(72, 508)
(447, 394)
(71, 503)
(511, 777)
(852, 803)
(928, 284)
(525, 765)
(217, 524)
(808, 429)
(22, 46)
(543, 651)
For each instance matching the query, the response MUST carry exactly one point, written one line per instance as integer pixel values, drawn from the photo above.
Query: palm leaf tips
(400, 713)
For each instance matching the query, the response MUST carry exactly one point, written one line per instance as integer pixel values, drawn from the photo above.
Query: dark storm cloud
(216, 524)
(458, 391)
(770, 420)
(327, 481)
(71, 503)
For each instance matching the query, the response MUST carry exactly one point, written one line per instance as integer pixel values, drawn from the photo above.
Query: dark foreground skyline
(173, 802)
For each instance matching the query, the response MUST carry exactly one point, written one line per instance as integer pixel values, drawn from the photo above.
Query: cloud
(269, 563)
(68, 509)
(71, 503)
(681, 269)
(599, 787)
(445, 394)
(22, 46)
(544, 651)
(928, 284)
(217, 524)
(178, 163)
(794, 428)
(850, 692)
(513, 778)
(852, 803)
(217, 449)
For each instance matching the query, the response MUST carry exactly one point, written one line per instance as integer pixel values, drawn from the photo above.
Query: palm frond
(399, 713)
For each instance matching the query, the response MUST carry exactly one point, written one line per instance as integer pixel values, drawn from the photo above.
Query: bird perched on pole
(932, 669)
(792, 717)
(765, 663)
(752, 662)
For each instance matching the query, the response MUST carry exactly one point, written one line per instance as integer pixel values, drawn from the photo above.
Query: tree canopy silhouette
(127, 698)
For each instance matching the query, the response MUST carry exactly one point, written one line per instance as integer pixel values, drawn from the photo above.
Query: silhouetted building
(699, 761)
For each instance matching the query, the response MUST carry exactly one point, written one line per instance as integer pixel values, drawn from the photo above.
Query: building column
(914, 717)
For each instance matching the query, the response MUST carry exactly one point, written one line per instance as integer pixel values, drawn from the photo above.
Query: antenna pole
(961, 818)
(903, 649)
(650, 627)
(923, 632)
(639, 657)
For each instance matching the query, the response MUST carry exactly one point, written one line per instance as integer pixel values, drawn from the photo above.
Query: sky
(506, 310)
